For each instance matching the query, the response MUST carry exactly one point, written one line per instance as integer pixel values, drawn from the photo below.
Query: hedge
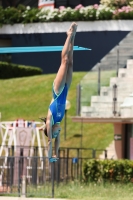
(8, 70)
(22, 14)
(108, 170)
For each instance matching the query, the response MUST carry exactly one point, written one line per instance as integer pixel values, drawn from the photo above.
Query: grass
(29, 98)
(107, 191)
(76, 190)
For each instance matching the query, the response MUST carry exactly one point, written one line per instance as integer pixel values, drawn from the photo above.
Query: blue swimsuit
(57, 107)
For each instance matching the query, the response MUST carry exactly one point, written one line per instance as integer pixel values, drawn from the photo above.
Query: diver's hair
(45, 130)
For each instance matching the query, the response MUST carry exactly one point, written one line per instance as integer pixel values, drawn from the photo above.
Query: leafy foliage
(92, 171)
(8, 70)
(116, 3)
(123, 13)
(105, 11)
(108, 170)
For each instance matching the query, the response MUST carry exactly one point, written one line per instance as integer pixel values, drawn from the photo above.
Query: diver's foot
(72, 30)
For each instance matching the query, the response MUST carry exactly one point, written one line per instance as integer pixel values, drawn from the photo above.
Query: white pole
(4, 139)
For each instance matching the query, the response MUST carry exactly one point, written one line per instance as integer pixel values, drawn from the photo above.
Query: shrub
(8, 70)
(108, 9)
(108, 170)
(30, 15)
(126, 12)
(12, 15)
(104, 12)
(116, 3)
(92, 171)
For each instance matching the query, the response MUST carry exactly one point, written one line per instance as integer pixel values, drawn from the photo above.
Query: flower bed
(23, 14)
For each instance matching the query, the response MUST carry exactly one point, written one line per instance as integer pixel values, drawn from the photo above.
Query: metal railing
(26, 176)
(34, 176)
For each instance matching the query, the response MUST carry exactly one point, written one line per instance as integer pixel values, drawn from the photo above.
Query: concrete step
(107, 67)
(105, 99)
(126, 41)
(101, 105)
(114, 59)
(121, 59)
(122, 85)
(86, 110)
(104, 104)
(111, 153)
(126, 70)
(128, 102)
(121, 89)
(110, 66)
(126, 112)
(103, 114)
(100, 111)
(114, 56)
(127, 75)
(125, 46)
(118, 97)
(113, 63)
(125, 52)
(129, 64)
(120, 80)
(120, 51)
(122, 72)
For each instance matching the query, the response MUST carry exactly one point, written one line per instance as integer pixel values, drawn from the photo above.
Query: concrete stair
(127, 106)
(103, 105)
(111, 153)
(119, 54)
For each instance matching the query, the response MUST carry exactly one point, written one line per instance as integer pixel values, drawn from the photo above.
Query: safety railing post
(93, 153)
(105, 153)
(19, 178)
(23, 187)
(67, 164)
(52, 178)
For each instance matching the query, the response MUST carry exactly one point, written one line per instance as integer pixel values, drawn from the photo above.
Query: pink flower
(95, 6)
(115, 12)
(62, 7)
(120, 10)
(78, 7)
(124, 8)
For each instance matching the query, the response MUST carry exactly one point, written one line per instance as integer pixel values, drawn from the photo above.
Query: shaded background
(34, 3)
(101, 42)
